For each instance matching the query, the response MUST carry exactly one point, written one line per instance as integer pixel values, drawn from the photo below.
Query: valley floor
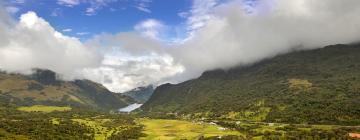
(43, 122)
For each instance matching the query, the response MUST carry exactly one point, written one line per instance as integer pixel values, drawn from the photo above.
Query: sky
(85, 18)
(124, 44)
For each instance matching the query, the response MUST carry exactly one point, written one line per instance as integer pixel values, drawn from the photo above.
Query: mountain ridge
(44, 88)
(310, 86)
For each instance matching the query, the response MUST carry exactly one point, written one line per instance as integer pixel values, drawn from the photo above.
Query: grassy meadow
(42, 108)
(159, 129)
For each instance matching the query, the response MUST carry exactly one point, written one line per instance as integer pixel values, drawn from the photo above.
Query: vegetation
(42, 129)
(275, 131)
(177, 129)
(319, 86)
(42, 108)
(79, 124)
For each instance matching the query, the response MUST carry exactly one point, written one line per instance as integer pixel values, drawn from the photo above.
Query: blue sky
(108, 16)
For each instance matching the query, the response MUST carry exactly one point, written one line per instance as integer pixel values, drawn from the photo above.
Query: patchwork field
(101, 133)
(177, 129)
(42, 108)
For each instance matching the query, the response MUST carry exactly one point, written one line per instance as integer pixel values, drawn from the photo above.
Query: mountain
(141, 94)
(312, 86)
(43, 87)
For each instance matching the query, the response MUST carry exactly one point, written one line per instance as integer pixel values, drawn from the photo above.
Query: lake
(130, 107)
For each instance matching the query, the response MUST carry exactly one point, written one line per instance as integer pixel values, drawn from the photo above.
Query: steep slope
(140, 94)
(314, 86)
(42, 87)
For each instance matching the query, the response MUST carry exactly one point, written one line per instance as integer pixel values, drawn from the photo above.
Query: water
(130, 107)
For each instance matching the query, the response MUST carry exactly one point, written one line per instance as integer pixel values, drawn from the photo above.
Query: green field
(177, 129)
(101, 133)
(42, 108)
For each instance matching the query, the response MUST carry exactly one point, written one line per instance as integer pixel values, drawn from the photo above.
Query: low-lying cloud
(132, 60)
(223, 35)
(242, 32)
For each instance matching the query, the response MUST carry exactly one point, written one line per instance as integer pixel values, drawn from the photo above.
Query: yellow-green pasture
(101, 132)
(158, 129)
(43, 108)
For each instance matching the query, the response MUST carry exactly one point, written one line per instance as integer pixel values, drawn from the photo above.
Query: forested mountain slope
(313, 86)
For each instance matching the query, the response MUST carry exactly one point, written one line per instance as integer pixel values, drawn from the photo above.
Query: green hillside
(43, 88)
(314, 86)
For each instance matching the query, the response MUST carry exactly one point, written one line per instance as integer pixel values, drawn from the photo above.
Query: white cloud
(33, 43)
(94, 5)
(67, 30)
(235, 33)
(223, 35)
(143, 5)
(90, 11)
(183, 14)
(82, 33)
(150, 28)
(144, 9)
(69, 3)
(122, 72)
(56, 12)
(239, 34)
(18, 1)
(201, 12)
(12, 9)
(197, 17)
(132, 60)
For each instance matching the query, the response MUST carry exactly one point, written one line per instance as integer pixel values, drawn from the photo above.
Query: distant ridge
(44, 88)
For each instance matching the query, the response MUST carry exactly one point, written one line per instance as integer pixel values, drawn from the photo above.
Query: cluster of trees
(129, 133)
(313, 134)
(290, 132)
(43, 129)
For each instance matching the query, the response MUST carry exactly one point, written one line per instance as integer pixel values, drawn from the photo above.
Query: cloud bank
(33, 43)
(132, 60)
(242, 32)
(220, 34)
